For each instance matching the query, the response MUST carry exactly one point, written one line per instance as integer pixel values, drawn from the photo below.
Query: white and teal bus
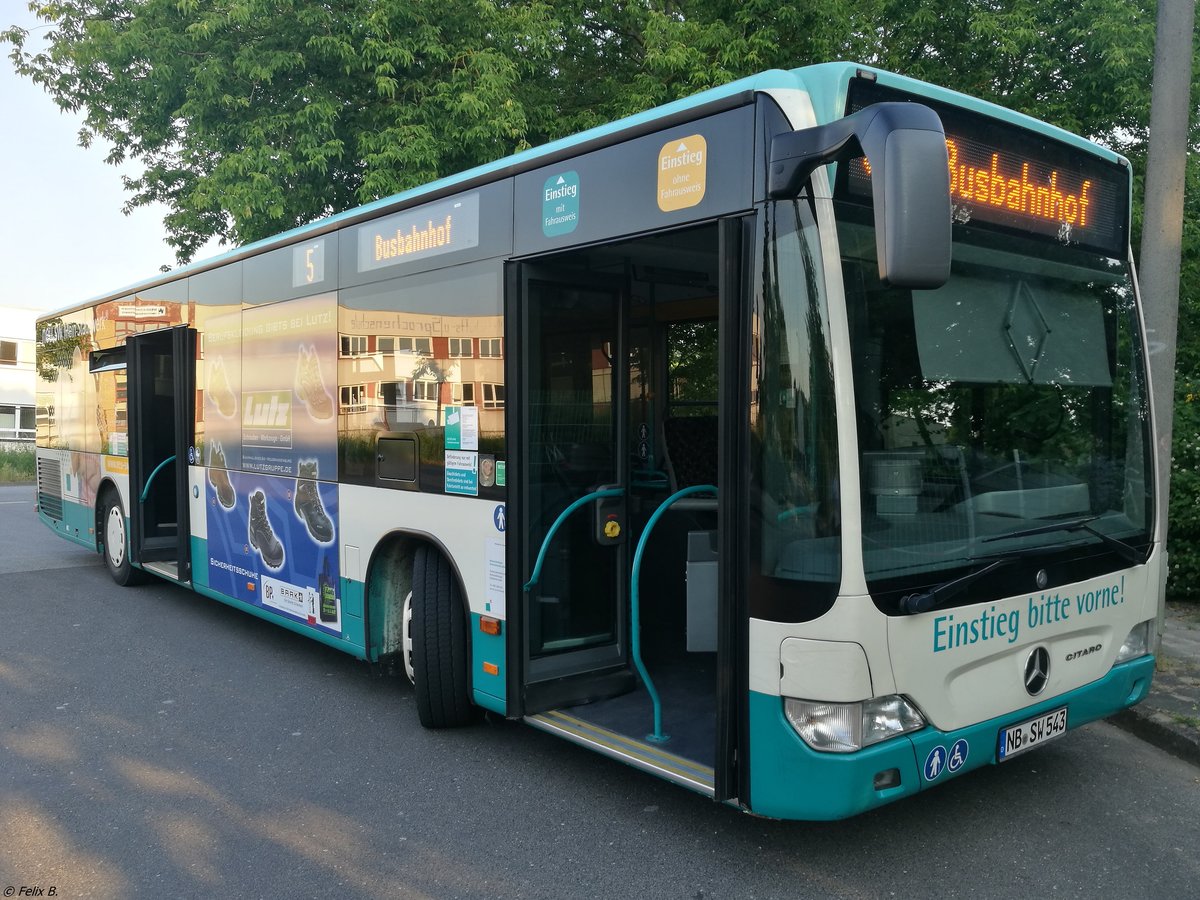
(791, 442)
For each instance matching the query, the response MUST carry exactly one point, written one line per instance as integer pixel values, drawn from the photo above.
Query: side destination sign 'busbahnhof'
(429, 231)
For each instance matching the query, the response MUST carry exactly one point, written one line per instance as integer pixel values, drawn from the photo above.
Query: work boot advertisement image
(270, 447)
(274, 546)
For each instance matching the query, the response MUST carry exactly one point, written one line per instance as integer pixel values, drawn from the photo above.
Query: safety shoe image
(308, 504)
(261, 535)
(311, 386)
(218, 477)
(219, 391)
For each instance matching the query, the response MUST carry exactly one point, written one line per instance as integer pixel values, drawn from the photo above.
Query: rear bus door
(160, 377)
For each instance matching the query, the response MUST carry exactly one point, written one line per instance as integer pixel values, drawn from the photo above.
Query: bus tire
(439, 643)
(114, 542)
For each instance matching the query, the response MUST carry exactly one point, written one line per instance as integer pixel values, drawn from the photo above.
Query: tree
(254, 116)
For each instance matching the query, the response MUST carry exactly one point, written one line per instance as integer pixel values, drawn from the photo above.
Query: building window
(460, 348)
(493, 396)
(354, 398)
(386, 344)
(354, 344)
(425, 390)
(17, 422)
(8, 353)
(393, 393)
(419, 346)
(463, 394)
(489, 348)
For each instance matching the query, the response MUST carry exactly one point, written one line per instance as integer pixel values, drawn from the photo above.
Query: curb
(1157, 729)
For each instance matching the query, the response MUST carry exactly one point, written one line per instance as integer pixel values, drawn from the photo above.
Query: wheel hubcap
(406, 641)
(114, 537)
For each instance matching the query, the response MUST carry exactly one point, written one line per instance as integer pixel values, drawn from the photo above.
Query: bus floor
(686, 685)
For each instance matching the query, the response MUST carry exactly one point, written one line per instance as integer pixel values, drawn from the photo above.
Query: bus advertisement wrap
(220, 375)
(272, 543)
(289, 412)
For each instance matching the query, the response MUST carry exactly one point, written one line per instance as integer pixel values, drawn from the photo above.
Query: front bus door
(573, 414)
(617, 358)
(160, 373)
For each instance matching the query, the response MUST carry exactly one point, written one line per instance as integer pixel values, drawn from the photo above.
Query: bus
(791, 442)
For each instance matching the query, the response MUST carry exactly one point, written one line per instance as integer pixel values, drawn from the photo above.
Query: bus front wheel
(441, 671)
(116, 542)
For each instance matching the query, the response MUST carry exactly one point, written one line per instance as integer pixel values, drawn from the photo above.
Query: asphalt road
(155, 743)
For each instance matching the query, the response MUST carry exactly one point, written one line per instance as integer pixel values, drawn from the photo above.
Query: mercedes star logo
(1037, 671)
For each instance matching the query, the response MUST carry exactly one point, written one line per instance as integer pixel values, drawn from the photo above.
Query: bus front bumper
(790, 780)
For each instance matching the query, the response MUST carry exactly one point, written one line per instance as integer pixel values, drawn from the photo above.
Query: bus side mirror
(905, 147)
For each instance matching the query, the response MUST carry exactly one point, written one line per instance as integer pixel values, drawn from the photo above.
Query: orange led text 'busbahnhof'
(1019, 193)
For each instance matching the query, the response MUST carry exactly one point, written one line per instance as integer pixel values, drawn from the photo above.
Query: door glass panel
(572, 447)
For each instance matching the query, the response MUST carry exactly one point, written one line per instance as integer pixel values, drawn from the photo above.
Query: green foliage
(254, 116)
(250, 117)
(16, 466)
(1184, 533)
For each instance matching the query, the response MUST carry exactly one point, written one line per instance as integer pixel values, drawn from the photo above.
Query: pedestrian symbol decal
(935, 762)
(500, 517)
(958, 755)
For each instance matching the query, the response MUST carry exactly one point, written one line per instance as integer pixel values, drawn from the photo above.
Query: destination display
(1007, 176)
(429, 230)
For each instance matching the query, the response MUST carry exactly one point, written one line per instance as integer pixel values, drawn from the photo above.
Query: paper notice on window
(494, 596)
(469, 427)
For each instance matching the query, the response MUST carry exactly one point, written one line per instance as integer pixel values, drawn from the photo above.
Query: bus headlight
(846, 727)
(1136, 644)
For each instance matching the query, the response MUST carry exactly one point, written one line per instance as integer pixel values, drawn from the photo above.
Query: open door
(573, 410)
(160, 378)
(616, 547)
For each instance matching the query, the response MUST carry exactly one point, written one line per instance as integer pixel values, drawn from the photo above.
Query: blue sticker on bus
(462, 473)
(935, 762)
(560, 204)
(958, 755)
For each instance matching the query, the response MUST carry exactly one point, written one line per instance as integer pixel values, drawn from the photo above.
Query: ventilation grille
(49, 484)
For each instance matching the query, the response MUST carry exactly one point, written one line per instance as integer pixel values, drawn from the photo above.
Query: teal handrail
(150, 480)
(562, 517)
(635, 604)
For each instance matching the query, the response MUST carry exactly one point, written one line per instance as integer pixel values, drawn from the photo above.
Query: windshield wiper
(924, 601)
(1124, 550)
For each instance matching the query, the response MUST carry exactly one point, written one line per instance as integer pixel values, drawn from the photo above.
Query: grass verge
(16, 466)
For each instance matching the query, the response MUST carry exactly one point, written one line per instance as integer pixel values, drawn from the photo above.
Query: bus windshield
(1010, 399)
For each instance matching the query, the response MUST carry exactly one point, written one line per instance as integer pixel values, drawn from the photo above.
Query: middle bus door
(570, 418)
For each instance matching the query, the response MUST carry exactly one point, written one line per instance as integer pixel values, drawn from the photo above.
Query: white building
(17, 374)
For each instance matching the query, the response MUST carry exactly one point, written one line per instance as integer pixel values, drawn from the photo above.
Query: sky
(63, 237)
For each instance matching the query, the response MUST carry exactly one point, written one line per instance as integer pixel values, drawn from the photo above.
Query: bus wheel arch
(424, 619)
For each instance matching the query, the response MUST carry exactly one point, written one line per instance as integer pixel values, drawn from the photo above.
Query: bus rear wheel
(441, 671)
(115, 542)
